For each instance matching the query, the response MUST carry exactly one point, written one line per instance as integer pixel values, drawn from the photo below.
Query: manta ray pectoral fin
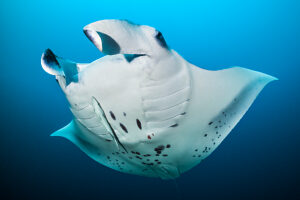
(67, 132)
(58, 66)
(123, 37)
(222, 98)
(73, 132)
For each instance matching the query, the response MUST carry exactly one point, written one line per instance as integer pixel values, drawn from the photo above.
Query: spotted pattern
(123, 127)
(112, 115)
(139, 124)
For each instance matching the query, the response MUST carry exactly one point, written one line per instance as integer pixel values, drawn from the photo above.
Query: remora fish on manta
(142, 109)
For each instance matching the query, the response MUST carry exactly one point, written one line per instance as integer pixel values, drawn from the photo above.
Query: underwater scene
(150, 99)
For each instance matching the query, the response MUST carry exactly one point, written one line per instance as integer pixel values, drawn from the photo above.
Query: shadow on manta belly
(142, 109)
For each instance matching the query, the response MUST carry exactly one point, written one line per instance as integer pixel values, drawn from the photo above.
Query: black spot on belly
(139, 124)
(210, 123)
(124, 113)
(159, 148)
(112, 115)
(168, 146)
(123, 127)
(205, 135)
(174, 125)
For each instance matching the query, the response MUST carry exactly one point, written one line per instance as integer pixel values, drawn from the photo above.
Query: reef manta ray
(142, 109)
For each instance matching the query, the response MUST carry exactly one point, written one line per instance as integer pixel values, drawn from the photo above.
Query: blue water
(258, 160)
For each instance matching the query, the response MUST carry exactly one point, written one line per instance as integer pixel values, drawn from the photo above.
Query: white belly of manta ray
(142, 109)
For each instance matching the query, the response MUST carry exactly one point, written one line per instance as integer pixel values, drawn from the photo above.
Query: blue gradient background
(258, 160)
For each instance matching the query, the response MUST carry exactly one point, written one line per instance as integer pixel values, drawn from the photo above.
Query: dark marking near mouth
(123, 127)
(139, 124)
(112, 115)
(161, 40)
(50, 59)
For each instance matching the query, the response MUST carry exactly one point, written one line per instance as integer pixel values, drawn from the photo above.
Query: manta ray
(142, 109)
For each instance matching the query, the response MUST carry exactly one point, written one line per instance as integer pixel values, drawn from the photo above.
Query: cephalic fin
(58, 66)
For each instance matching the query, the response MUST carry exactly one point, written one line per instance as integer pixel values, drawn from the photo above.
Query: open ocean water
(258, 160)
